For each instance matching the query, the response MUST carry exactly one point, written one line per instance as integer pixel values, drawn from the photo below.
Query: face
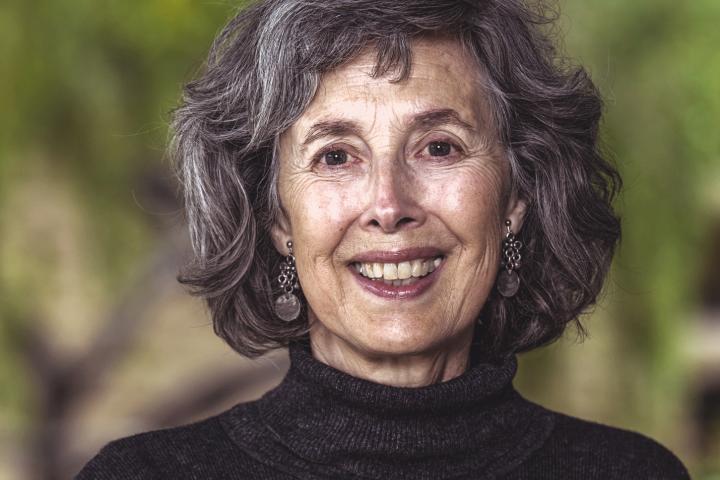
(395, 196)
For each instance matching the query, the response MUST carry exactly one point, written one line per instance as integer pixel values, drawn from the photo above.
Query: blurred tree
(85, 194)
(657, 63)
(85, 88)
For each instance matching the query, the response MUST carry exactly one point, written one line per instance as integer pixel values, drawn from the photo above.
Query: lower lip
(381, 289)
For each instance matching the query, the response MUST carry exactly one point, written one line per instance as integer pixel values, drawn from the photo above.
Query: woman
(423, 180)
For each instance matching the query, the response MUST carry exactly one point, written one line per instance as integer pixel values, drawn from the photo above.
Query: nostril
(398, 224)
(404, 221)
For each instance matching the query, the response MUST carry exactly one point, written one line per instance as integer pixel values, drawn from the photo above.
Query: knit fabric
(321, 423)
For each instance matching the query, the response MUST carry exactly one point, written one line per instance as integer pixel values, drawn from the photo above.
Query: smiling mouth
(398, 274)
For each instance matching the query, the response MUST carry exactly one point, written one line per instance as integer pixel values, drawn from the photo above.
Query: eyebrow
(424, 120)
(330, 128)
(441, 116)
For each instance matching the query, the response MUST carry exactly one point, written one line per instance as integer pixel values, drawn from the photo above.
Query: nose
(394, 202)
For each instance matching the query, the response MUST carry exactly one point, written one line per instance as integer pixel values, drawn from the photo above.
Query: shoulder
(198, 450)
(579, 448)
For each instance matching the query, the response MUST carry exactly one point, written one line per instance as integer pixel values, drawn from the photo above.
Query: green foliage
(86, 87)
(658, 67)
(657, 62)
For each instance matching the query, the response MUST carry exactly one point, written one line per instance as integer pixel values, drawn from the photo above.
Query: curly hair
(264, 69)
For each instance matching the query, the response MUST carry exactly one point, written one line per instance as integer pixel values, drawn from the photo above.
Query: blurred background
(98, 341)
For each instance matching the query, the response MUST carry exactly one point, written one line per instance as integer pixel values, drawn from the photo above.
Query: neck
(416, 369)
(324, 423)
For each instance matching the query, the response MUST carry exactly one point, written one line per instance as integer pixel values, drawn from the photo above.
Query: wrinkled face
(394, 196)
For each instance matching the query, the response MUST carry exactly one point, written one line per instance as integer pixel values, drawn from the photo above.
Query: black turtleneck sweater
(321, 423)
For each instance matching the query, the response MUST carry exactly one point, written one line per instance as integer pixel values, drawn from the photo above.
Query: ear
(515, 212)
(280, 233)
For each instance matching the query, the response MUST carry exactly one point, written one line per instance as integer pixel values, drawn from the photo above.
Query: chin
(394, 338)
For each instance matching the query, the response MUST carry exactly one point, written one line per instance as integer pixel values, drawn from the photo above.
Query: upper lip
(396, 256)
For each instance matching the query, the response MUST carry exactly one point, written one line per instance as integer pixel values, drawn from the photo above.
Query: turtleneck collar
(323, 423)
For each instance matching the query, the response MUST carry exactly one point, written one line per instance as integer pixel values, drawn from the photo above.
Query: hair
(264, 69)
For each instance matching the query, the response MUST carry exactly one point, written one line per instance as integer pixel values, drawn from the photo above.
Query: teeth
(390, 271)
(404, 270)
(377, 270)
(424, 270)
(398, 274)
(366, 269)
(417, 268)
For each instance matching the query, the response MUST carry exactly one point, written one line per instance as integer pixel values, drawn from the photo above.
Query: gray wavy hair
(264, 69)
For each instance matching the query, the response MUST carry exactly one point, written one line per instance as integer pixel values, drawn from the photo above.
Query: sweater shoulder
(586, 449)
(187, 451)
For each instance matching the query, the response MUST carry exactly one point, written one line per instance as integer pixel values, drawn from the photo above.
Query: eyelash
(458, 150)
(318, 158)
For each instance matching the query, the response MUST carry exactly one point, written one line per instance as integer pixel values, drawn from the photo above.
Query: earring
(287, 305)
(508, 282)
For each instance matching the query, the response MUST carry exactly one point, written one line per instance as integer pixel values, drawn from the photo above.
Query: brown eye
(439, 149)
(335, 157)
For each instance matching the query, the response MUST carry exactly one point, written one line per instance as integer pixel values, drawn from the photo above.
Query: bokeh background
(98, 341)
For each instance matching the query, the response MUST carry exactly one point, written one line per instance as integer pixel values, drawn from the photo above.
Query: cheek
(470, 202)
(320, 213)
(326, 207)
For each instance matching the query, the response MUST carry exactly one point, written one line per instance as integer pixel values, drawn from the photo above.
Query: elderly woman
(406, 193)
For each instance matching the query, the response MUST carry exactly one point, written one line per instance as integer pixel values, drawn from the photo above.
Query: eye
(335, 157)
(439, 149)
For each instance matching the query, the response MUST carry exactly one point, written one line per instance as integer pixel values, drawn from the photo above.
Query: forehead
(442, 75)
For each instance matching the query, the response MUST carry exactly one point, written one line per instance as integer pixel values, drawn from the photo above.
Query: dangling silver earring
(287, 305)
(508, 282)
